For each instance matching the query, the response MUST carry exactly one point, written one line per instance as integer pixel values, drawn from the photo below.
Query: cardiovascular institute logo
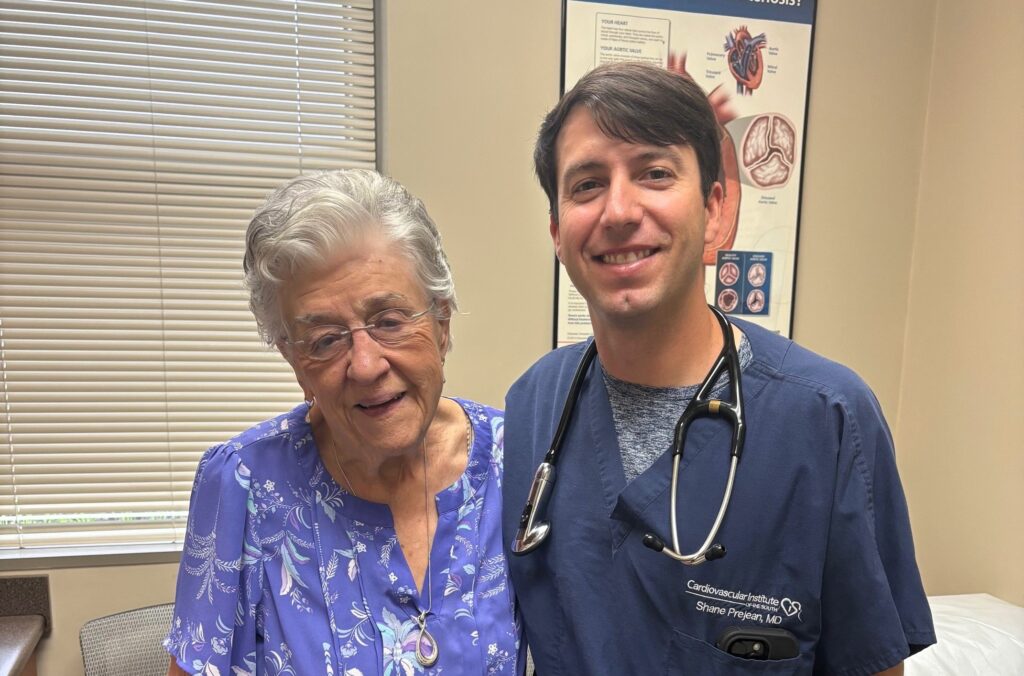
(743, 606)
(790, 607)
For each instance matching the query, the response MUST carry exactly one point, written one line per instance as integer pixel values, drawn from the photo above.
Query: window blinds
(137, 138)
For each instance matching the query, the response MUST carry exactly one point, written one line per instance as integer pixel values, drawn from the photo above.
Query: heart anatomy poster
(752, 57)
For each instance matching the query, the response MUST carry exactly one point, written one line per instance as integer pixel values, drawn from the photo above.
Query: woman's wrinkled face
(374, 397)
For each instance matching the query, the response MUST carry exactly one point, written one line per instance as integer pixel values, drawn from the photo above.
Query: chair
(127, 643)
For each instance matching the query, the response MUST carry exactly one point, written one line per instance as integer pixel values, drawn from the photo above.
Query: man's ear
(555, 237)
(713, 215)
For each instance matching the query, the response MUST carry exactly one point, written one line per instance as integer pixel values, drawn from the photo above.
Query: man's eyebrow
(581, 168)
(650, 154)
(659, 153)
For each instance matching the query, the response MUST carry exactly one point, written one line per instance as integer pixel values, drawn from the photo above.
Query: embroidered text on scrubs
(764, 602)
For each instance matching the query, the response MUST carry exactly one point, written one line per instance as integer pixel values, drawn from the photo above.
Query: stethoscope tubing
(532, 531)
(701, 555)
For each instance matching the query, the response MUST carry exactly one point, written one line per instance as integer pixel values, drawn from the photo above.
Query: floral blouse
(284, 572)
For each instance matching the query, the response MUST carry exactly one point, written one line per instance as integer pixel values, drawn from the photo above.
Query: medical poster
(753, 59)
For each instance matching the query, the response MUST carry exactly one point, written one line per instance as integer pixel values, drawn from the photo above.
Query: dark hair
(636, 103)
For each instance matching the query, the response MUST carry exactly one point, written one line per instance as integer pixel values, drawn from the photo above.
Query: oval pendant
(426, 647)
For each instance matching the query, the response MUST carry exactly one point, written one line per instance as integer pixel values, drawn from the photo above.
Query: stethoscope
(533, 531)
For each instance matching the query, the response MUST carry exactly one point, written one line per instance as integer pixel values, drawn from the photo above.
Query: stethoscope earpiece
(652, 541)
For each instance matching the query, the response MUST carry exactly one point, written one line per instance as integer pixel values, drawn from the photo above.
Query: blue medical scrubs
(817, 533)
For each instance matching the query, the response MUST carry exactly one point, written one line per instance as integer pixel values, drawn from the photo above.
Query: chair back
(127, 643)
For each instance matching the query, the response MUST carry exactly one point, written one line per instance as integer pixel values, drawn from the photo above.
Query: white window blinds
(137, 138)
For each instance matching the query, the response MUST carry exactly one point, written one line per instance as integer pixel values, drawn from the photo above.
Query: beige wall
(466, 85)
(963, 362)
(892, 278)
(869, 87)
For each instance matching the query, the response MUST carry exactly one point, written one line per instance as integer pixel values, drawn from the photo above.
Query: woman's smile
(381, 407)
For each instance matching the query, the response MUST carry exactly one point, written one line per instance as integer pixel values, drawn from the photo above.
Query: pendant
(426, 646)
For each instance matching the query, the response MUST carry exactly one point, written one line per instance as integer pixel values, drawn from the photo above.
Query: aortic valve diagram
(767, 151)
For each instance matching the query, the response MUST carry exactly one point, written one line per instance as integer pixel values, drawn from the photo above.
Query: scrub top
(283, 572)
(817, 533)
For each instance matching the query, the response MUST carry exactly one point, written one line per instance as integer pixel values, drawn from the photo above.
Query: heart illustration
(791, 608)
(743, 52)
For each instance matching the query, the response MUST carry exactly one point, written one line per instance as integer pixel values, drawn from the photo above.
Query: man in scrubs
(817, 536)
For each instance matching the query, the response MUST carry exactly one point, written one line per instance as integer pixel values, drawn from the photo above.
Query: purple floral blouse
(284, 572)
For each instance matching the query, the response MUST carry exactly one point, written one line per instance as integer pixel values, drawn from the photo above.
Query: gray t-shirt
(645, 417)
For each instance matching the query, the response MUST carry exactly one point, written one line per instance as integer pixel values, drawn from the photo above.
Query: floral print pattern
(283, 572)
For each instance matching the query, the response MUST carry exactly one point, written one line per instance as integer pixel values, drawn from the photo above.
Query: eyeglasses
(387, 327)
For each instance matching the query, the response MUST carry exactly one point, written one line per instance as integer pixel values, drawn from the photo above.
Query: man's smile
(625, 257)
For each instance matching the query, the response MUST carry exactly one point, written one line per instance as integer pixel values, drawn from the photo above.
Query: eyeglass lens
(389, 327)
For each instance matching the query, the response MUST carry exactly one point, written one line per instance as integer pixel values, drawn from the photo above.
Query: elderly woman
(360, 532)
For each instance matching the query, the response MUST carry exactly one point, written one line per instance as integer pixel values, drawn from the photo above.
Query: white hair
(313, 217)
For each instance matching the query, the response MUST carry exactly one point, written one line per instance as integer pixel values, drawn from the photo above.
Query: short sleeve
(214, 625)
(874, 609)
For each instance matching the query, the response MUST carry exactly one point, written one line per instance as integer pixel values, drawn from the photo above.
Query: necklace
(427, 650)
(426, 646)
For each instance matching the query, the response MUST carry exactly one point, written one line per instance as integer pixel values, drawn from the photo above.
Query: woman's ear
(285, 351)
(288, 354)
(444, 323)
